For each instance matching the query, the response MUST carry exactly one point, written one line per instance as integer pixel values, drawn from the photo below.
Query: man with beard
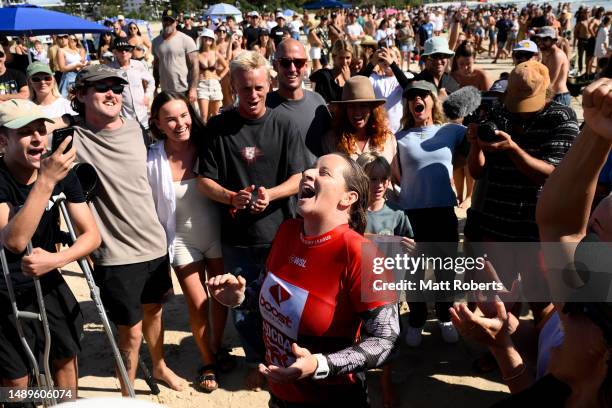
(557, 63)
(176, 59)
(307, 109)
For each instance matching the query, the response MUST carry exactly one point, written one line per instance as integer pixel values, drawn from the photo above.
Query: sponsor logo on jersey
(301, 262)
(282, 304)
(317, 241)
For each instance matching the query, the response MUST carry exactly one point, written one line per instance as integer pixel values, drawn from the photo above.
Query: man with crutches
(131, 267)
(29, 182)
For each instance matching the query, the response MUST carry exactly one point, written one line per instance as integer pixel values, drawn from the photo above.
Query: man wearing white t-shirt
(354, 29)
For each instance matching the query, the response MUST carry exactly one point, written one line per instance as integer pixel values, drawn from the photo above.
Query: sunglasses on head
(286, 62)
(411, 95)
(46, 78)
(101, 87)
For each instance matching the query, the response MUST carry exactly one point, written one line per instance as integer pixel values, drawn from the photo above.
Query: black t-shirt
(262, 152)
(46, 235)
(252, 35)
(11, 82)
(447, 82)
(503, 26)
(277, 33)
(325, 85)
(192, 32)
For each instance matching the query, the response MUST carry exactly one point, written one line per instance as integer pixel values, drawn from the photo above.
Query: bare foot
(465, 204)
(254, 380)
(169, 378)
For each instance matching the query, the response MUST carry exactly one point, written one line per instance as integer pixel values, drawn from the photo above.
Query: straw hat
(359, 89)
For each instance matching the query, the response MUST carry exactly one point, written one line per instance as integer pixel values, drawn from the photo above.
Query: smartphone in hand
(59, 135)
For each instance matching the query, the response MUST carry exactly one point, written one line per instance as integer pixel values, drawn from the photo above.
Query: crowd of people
(258, 159)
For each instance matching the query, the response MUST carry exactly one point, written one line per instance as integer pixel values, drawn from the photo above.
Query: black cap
(122, 43)
(169, 13)
(264, 31)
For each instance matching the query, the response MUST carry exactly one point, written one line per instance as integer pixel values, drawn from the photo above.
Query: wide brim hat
(358, 89)
(368, 40)
(437, 45)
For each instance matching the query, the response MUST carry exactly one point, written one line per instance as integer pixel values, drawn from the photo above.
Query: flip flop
(202, 378)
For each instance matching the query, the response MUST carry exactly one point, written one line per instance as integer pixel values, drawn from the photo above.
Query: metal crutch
(45, 380)
(95, 296)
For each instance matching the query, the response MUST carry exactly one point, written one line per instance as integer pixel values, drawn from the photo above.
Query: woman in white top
(44, 92)
(70, 59)
(190, 220)
(603, 47)
(385, 34)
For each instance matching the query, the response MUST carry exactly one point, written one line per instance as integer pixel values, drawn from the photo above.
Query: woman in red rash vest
(321, 330)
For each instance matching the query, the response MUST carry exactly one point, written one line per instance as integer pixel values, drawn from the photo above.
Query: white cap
(120, 17)
(208, 33)
(254, 14)
(238, 33)
(526, 45)
(280, 15)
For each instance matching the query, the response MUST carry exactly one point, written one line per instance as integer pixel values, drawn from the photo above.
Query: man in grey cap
(557, 63)
(131, 266)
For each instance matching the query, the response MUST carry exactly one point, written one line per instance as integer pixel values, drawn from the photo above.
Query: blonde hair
(212, 47)
(342, 46)
(248, 61)
(437, 114)
(54, 90)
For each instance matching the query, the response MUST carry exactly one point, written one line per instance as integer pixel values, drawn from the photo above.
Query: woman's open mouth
(306, 191)
(419, 107)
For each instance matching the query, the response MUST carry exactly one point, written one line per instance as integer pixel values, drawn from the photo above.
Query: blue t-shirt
(425, 155)
(425, 32)
(605, 177)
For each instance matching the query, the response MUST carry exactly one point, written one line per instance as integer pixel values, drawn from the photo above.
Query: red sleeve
(360, 276)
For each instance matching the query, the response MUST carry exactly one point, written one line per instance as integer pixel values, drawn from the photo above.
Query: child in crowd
(382, 220)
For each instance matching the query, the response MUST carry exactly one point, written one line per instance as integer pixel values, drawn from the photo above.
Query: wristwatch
(322, 370)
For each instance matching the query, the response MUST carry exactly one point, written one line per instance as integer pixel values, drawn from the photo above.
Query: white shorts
(210, 90)
(187, 251)
(315, 53)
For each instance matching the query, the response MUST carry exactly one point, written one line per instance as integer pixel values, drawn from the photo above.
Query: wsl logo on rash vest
(282, 304)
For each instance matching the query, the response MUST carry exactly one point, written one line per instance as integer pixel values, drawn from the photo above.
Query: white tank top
(71, 57)
(194, 212)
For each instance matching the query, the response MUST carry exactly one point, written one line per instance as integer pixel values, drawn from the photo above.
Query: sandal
(224, 360)
(203, 378)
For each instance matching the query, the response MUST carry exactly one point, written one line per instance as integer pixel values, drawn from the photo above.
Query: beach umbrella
(390, 11)
(31, 20)
(326, 4)
(222, 9)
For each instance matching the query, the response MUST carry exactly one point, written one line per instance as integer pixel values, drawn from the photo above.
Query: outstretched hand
(304, 366)
(227, 289)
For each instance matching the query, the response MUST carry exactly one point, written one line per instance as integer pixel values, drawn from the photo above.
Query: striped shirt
(510, 200)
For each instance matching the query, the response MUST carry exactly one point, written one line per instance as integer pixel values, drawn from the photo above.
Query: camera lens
(486, 132)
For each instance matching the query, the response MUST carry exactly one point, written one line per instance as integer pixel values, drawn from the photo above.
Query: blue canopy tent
(326, 4)
(31, 20)
(222, 10)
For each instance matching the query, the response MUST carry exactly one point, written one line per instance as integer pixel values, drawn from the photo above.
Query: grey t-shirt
(171, 55)
(309, 115)
(389, 222)
(123, 205)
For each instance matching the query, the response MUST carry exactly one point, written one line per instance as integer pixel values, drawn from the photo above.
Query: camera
(482, 117)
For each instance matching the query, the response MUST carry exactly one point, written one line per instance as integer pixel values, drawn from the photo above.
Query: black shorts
(590, 48)
(65, 324)
(124, 288)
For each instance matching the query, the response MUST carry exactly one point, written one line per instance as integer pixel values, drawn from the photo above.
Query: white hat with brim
(527, 46)
(437, 45)
(547, 31)
(208, 33)
(17, 113)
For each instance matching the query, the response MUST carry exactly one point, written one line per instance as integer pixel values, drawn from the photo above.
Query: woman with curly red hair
(360, 122)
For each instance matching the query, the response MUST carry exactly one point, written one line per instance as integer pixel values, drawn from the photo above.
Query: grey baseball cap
(99, 72)
(422, 85)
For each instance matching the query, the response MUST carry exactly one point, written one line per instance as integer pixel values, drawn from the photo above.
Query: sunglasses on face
(46, 78)
(101, 87)
(286, 62)
(411, 95)
(439, 56)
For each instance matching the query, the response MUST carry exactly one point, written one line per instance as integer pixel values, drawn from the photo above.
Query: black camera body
(482, 117)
